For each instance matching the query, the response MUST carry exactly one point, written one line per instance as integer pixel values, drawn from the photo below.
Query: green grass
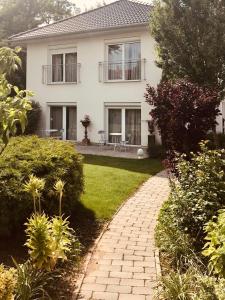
(109, 181)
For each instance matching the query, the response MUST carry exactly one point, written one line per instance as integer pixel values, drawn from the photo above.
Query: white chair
(102, 141)
(124, 144)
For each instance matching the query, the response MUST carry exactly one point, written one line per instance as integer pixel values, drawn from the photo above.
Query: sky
(88, 4)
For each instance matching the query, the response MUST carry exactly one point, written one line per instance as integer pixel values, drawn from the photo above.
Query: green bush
(199, 191)
(214, 249)
(172, 242)
(46, 158)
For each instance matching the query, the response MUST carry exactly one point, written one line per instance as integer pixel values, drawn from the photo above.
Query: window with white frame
(124, 61)
(124, 124)
(64, 67)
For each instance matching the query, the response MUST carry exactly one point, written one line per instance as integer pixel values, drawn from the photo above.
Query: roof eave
(101, 31)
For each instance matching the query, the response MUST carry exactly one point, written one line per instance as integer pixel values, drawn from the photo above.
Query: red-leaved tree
(183, 112)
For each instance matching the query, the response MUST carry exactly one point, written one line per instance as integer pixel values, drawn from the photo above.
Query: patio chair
(124, 144)
(102, 141)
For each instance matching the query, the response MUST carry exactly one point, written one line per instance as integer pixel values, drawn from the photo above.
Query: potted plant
(86, 122)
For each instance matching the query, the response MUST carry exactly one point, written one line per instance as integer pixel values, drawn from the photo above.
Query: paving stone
(131, 297)
(105, 280)
(122, 275)
(117, 262)
(93, 287)
(122, 289)
(133, 269)
(105, 296)
(123, 266)
(141, 291)
(132, 282)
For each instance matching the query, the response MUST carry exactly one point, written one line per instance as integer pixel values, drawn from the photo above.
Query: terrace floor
(108, 150)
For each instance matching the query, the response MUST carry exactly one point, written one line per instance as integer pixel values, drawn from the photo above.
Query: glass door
(115, 125)
(124, 124)
(56, 120)
(133, 126)
(71, 123)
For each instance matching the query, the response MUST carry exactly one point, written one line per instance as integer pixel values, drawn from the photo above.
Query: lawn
(109, 181)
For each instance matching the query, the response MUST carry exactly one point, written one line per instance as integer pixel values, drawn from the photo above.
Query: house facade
(97, 64)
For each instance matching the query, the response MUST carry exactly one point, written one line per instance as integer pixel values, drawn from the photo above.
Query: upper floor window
(124, 61)
(64, 67)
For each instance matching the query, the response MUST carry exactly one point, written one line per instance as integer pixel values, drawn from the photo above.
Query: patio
(108, 150)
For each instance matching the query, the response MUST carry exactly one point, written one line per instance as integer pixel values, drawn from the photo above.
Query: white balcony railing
(129, 70)
(61, 74)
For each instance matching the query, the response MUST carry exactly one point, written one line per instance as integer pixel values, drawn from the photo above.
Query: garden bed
(108, 182)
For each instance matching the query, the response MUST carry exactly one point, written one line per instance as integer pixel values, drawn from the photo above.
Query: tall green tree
(190, 37)
(21, 15)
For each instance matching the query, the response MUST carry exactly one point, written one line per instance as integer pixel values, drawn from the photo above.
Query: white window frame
(62, 51)
(64, 106)
(123, 60)
(123, 121)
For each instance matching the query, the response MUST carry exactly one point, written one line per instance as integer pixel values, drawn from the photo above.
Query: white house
(98, 64)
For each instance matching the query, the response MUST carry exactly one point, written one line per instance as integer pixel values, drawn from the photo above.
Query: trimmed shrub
(199, 191)
(45, 158)
(174, 244)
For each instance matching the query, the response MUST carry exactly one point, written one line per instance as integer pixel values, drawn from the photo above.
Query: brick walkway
(123, 266)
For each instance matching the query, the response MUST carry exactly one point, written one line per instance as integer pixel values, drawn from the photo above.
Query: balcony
(130, 70)
(61, 74)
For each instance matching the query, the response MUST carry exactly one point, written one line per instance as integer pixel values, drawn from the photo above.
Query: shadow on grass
(87, 228)
(145, 166)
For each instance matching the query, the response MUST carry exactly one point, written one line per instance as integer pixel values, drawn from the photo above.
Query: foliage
(192, 285)
(62, 239)
(21, 15)
(14, 103)
(35, 186)
(199, 190)
(59, 188)
(31, 282)
(45, 158)
(214, 249)
(177, 286)
(39, 241)
(48, 240)
(9, 60)
(190, 38)
(7, 283)
(175, 244)
(33, 118)
(183, 112)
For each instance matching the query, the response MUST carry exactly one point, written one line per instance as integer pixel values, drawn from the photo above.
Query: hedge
(46, 158)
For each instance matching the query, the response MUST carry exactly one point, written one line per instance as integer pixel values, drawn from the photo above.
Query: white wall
(91, 95)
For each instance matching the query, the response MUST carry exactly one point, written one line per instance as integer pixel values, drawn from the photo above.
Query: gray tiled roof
(121, 13)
